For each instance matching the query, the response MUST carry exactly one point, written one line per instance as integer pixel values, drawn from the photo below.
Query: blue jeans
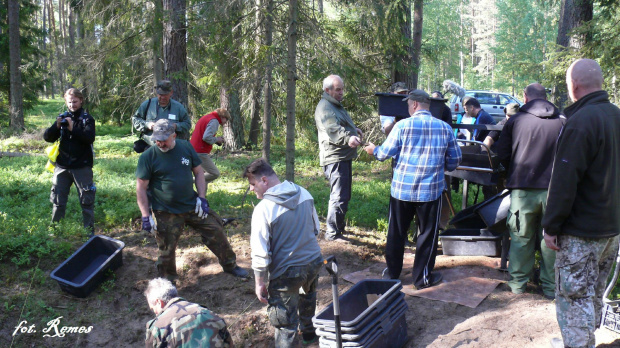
(339, 175)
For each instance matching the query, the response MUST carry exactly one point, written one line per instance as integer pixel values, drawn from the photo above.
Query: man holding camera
(162, 107)
(76, 130)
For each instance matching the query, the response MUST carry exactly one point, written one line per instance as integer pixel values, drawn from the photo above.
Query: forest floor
(117, 310)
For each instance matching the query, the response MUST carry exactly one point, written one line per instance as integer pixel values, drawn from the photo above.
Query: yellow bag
(52, 153)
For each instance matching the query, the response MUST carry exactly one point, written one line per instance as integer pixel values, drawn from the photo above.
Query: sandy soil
(118, 312)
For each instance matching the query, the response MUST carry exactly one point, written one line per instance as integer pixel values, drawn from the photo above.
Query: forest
(265, 60)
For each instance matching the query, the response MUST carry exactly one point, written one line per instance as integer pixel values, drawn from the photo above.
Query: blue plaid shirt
(423, 148)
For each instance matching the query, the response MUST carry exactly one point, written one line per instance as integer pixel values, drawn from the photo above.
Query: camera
(64, 122)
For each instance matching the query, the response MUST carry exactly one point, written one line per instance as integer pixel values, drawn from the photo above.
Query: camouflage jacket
(186, 324)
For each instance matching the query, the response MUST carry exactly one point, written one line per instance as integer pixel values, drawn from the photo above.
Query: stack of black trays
(372, 314)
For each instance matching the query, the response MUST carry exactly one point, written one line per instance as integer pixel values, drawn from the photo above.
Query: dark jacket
(76, 146)
(527, 144)
(584, 193)
(483, 117)
(335, 127)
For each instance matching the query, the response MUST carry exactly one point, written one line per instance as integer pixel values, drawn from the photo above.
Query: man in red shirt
(204, 137)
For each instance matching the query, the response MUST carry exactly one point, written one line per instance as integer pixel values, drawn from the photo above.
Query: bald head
(534, 91)
(583, 77)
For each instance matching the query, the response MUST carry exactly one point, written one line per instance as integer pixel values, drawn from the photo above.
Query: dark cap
(419, 96)
(512, 109)
(163, 87)
(398, 87)
(162, 129)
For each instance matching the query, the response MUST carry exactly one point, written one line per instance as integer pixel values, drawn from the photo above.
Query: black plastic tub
(393, 105)
(468, 219)
(494, 211)
(387, 330)
(355, 309)
(83, 271)
(470, 242)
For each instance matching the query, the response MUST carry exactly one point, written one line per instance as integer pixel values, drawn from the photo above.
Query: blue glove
(202, 207)
(146, 224)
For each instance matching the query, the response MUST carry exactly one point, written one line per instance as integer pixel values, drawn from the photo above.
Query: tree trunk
(157, 60)
(44, 46)
(291, 77)
(256, 84)
(233, 130)
(54, 51)
(16, 109)
(268, 77)
(175, 49)
(404, 67)
(573, 13)
(418, 6)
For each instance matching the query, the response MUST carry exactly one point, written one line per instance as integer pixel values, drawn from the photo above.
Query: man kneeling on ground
(180, 323)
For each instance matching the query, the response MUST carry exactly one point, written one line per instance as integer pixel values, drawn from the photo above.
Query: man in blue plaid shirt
(423, 147)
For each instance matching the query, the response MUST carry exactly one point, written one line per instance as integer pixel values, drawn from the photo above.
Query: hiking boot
(435, 279)
(238, 272)
(309, 337)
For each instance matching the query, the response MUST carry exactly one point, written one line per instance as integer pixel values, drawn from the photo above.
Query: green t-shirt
(171, 180)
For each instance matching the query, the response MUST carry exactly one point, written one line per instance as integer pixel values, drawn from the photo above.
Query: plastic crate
(391, 332)
(470, 242)
(366, 328)
(390, 304)
(83, 271)
(610, 318)
(354, 307)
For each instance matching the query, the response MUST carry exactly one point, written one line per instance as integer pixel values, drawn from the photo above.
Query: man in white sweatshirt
(285, 253)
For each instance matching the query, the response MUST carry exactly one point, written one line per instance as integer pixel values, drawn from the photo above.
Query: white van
(492, 102)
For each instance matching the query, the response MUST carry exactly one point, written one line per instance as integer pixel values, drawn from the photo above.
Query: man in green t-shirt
(168, 170)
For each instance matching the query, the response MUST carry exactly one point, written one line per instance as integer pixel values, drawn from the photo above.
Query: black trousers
(401, 215)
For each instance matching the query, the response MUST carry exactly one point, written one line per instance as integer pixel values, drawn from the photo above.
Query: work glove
(146, 224)
(202, 207)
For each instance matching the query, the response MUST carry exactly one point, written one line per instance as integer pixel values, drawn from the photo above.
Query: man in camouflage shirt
(180, 323)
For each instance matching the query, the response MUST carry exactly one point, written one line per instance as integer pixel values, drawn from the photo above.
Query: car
(492, 102)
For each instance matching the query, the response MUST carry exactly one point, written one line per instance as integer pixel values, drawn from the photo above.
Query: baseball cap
(163, 87)
(512, 109)
(419, 96)
(162, 129)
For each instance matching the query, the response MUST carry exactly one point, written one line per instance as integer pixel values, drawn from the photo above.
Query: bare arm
(199, 180)
(143, 200)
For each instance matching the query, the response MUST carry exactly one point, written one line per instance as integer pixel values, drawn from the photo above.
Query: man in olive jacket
(162, 107)
(338, 140)
(581, 221)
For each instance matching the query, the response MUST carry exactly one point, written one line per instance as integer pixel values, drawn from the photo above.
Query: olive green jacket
(335, 127)
(175, 112)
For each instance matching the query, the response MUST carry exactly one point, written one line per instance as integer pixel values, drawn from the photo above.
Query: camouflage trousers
(169, 230)
(581, 269)
(292, 302)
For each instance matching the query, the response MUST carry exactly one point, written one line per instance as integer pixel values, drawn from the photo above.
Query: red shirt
(200, 145)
